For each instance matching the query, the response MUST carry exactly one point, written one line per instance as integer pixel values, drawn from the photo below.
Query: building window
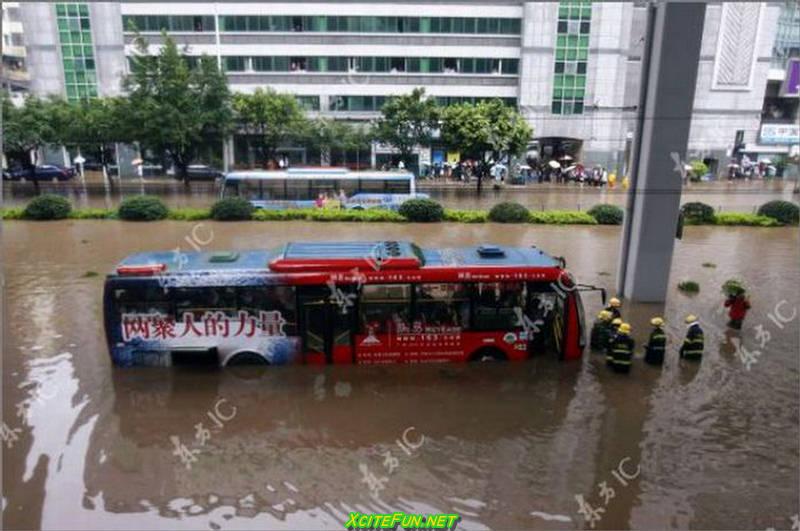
(369, 24)
(176, 23)
(571, 56)
(235, 63)
(356, 103)
(308, 103)
(77, 52)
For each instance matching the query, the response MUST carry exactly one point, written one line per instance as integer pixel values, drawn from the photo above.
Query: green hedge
(422, 210)
(743, 219)
(562, 217)
(143, 208)
(698, 214)
(607, 214)
(232, 209)
(189, 214)
(784, 212)
(509, 212)
(149, 208)
(47, 207)
(466, 216)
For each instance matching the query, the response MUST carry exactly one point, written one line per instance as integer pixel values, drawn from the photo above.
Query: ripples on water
(506, 446)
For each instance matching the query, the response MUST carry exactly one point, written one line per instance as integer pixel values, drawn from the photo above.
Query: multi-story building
(14, 74)
(573, 68)
(779, 135)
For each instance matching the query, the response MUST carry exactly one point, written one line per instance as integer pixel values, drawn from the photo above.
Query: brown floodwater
(744, 196)
(507, 446)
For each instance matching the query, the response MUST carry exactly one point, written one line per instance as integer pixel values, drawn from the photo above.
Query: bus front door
(326, 325)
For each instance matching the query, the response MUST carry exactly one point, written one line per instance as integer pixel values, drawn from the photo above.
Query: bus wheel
(246, 358)
(488, 354)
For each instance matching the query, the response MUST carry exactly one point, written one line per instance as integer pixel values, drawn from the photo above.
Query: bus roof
(302, 257)
(319, 174)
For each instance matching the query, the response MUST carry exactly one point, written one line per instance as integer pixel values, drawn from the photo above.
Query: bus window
(397, 186)
(231, 188)
(498, 305)
(298, 188)
(254, 299)
(198, 301)
(384, 307)
(251, 189)
(143, 297)
(442, 305)
(373, 186)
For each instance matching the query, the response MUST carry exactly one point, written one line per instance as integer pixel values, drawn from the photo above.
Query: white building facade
(572, 68)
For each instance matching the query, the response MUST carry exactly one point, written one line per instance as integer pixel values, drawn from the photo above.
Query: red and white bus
(342, 302)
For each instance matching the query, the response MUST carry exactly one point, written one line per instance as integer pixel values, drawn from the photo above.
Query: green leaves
(487, 126)
(173, 108)
(408, 120)
(273, 117)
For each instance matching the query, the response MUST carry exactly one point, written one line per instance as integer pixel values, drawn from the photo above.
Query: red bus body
(330, 288)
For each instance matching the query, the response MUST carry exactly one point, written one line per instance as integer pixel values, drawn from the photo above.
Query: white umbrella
(553, 164)
(566, 157)
(766, 161)
(570, 168)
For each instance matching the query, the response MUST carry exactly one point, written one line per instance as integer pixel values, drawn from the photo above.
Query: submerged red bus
(344, 302)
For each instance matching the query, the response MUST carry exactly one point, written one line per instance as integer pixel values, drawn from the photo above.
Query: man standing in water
(739, 304)
(614, 306)
(657, 344)
(601, 331)
(621, 349)
(692, 348)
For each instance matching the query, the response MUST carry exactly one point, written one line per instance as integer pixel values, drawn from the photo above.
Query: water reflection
(506, 446)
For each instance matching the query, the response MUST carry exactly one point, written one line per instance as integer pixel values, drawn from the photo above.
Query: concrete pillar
(228, 154)
(669, 76)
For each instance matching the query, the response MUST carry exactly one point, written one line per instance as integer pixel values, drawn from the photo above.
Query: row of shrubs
(769, 214)
(149, 208)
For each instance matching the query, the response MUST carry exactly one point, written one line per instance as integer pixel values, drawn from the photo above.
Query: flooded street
(714, 445)
(738, 196)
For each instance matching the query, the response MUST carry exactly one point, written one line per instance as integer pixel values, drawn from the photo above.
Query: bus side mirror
(603, 295)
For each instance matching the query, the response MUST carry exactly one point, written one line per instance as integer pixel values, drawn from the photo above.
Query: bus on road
(300, 187)
(342, 302)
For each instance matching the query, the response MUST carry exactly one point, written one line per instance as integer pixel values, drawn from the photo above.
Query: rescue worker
(656, 344)
(612, 333)
(692, 348)
(738, 304)
(622, 349)
(601, 331)
(614, 306)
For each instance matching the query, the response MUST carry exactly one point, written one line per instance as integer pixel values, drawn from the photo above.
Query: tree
(92, 125)
(174, 109)
(329, 136)
(26, 130)
(408, 121)
(486, 131)
(271, 117)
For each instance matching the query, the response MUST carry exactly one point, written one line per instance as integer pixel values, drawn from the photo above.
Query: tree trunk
(184, 172)
(32, 170)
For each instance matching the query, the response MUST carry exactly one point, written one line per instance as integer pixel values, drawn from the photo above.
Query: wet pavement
(714, 445)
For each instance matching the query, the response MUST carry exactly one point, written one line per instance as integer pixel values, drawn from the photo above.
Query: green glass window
(158, 23)
(351, 24)
(571, 55)
(77, 52)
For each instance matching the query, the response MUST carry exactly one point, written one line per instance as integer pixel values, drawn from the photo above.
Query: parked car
(43, 173)
(198, 172)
